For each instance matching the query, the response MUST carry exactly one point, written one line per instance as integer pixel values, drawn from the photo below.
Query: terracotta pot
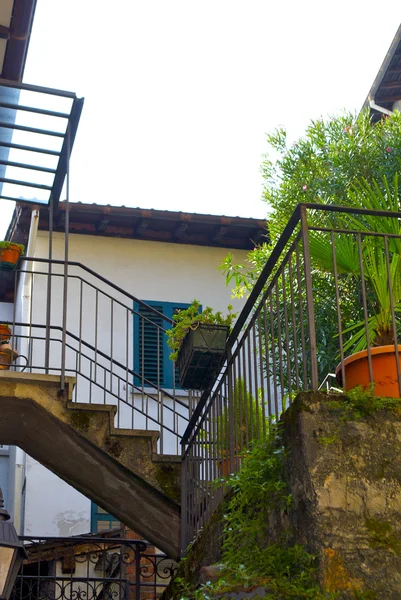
(5, 333)
(384, 369)
(224, 465)
(7, 356)
(9, 256)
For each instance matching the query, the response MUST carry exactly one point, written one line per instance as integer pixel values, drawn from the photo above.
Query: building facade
(163, 259)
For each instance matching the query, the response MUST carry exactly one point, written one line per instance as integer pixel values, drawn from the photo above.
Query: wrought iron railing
(112, 342)
(92, 568)
(296, 326)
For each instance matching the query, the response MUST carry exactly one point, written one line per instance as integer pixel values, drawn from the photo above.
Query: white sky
(180, 93)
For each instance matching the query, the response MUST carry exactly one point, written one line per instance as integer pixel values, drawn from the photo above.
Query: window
(102, 520)
(151, 352)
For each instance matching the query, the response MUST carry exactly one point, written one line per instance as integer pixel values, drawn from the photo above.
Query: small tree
(320, 167)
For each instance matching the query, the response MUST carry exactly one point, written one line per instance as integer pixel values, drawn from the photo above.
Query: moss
(169, 481)
(382, 535)
(328, 440)
(336, 577)
(80, 420)
(113, 447)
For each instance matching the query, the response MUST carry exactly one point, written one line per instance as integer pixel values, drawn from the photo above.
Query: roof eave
(382, 71)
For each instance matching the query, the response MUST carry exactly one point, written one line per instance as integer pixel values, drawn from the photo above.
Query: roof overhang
(386, 88)
(38, 126)
(147, 224)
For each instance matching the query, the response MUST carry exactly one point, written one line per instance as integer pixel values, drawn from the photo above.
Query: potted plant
(382, 281)
(7, 352)
(9, 254)
(198, 341)
(5, 333)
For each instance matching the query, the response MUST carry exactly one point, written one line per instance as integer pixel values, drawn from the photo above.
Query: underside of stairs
(118, 469)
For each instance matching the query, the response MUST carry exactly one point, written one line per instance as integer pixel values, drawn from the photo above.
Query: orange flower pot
(10, 256)
(7, 356)
(227, 466)
(384, 367)
(5, 332)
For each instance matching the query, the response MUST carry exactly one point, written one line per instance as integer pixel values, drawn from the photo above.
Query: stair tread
(27, 377)
(135, 432)
(166, 458)
(110, 408)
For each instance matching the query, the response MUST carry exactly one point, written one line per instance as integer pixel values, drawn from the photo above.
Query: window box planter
(201, 356)
(9, 254)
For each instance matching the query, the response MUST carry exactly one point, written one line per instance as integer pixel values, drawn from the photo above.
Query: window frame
(97, 516)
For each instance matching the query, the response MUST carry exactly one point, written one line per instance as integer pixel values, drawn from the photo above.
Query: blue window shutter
(147, 344)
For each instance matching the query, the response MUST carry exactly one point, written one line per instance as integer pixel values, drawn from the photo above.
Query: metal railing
(38, 126)
(112, 342)
(92, 568)
(299, 322)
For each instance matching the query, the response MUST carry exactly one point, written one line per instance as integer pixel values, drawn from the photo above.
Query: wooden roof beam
(103, 223)
(142, 226)
(394, 71)
(389, 97)
(386, 85)
(219, 233)
(179, 231)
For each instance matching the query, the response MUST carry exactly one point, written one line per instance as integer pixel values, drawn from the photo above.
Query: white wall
(151, 270)
(52, 507)
(148, 270)
(6, 311)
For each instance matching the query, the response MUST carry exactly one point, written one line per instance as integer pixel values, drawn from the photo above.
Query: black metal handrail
(106, 330)
(272, 352)
(271, 264)
(72, 263)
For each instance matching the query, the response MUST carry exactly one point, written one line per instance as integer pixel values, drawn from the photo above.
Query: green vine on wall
(249, 560)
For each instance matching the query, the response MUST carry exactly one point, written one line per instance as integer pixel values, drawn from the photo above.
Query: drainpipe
(381, 109)
(22, 315)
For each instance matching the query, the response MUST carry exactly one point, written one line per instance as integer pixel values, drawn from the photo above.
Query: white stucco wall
(151, 271)
(52, 507)
(6, 311)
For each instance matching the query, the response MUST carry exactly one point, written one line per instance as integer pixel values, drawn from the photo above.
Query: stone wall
(345, 477)
(343, 469)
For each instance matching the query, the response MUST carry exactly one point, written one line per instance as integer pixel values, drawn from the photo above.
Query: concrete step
(118, 469)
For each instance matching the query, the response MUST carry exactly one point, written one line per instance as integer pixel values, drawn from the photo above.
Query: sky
(180, 94)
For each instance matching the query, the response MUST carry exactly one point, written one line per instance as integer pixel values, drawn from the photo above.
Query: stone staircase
(119, 469)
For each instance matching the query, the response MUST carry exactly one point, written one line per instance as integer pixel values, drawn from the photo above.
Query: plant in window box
(198, 343)
(9, 254)
(7, 352)
(380, 269)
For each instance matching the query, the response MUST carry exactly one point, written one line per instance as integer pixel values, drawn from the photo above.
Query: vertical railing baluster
(301, 315)
(66, 244)
(309, 299)
(261, 374)
(365, 307)
(392, 310)
(293, 323)
(338, 308)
